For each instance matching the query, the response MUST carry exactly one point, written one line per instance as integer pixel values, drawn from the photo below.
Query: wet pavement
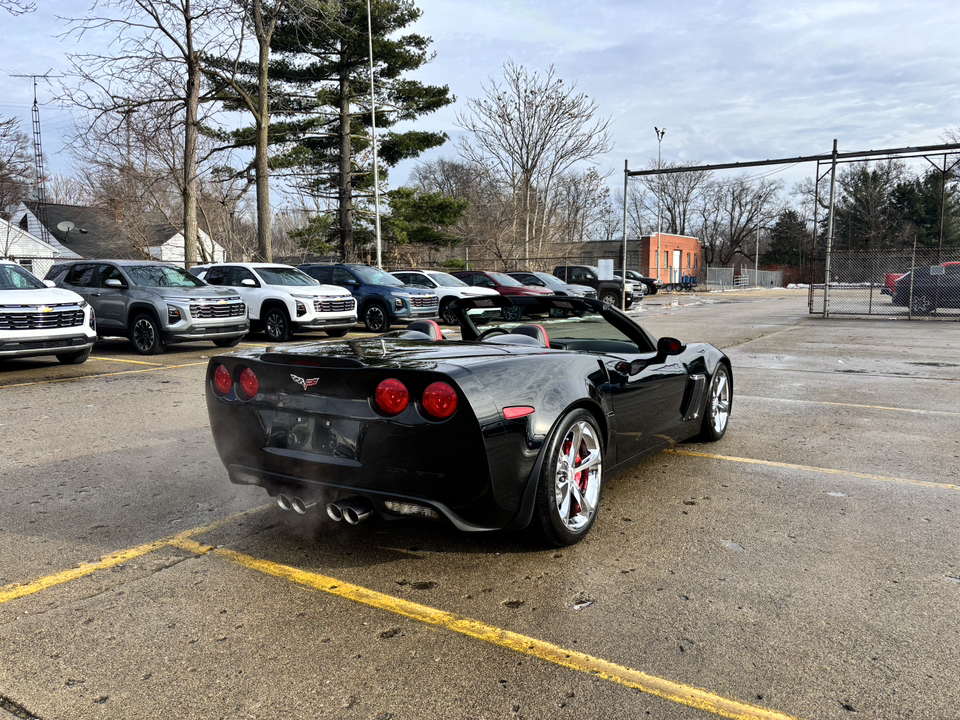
(804, 566)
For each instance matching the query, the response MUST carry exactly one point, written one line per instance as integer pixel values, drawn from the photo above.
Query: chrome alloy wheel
(719, 408)
(577, 487)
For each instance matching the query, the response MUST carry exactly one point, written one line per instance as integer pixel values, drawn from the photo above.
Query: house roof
(98, 233)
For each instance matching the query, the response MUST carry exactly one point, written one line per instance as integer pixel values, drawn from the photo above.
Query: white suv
(446, 286)
(37, 319)
(282, 299)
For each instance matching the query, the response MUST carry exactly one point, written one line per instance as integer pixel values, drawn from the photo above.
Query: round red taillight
(222, 381)
(440, 400)
(248, 386)
(392, 396)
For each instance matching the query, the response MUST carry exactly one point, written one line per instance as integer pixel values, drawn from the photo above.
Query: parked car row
(155, 304)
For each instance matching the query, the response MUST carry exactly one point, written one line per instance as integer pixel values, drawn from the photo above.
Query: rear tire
(922, 304)
(514, 313)
(446, 312)
(568, 493)
(74, 358)
(145, 335)
(276, 325)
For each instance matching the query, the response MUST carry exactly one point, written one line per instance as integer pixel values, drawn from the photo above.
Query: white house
(27, 249)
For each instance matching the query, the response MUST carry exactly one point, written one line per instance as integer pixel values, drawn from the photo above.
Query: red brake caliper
(579, 478)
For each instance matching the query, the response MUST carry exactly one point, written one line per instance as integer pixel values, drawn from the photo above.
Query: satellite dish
(66, 226)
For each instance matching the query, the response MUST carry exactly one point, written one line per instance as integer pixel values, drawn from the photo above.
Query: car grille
(334, 305)
(217, 311)
(420, 301)
(32, 317)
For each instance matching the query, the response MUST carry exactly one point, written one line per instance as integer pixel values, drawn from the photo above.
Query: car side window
(109, 272)
(81, 276)
(484, 281)
(240, 274)
(576, 274)
(343, 277)
(215, 276)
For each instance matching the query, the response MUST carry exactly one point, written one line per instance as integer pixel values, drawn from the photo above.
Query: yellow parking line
(181, 540)
(581, 662)
(52, 381)
(851, 405)
(135, 362)
(811, 468)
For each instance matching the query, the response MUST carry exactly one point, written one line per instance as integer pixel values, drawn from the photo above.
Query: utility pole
(660, 134)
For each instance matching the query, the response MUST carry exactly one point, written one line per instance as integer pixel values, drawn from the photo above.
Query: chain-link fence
(904, 283)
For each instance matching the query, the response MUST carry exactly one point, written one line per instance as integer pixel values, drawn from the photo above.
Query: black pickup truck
(607, 290)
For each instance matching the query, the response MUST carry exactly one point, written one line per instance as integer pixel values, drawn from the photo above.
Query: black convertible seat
(535, 331)
(428, 327)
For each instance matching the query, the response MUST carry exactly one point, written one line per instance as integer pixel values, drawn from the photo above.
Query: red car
(503, 284)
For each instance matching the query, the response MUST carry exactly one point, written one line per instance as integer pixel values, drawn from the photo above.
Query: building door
(676, 267)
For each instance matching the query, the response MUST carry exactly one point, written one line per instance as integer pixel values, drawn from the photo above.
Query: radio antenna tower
(38, 161)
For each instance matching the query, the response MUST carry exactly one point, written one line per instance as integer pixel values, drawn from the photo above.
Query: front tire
(611, 298)
(74, 358)
(375, 318)
(145, 335)
(568, 493)
(276, 325)
(716, 412)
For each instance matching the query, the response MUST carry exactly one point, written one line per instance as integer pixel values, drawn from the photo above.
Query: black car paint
(477, 469)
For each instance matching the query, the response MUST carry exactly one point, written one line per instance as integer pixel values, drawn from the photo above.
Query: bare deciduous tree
(730, 215)
(16, 163)
(528, 131)
(155, 62)
(17, 7)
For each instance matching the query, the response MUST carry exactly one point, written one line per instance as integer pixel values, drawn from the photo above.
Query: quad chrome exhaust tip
(352, 510)
(298, 505)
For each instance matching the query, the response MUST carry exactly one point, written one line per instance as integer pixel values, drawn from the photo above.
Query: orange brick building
(679, 255)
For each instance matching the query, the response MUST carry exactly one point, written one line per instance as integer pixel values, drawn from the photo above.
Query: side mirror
(248, 282)
(669, 346)
(49, 283)
(114, 283)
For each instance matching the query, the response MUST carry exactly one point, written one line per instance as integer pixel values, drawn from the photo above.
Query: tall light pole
(373, 126)
(660, 134)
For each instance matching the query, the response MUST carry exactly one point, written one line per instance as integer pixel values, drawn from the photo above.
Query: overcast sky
(730, 81)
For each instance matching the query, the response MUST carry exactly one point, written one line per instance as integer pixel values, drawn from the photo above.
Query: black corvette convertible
(511, 426)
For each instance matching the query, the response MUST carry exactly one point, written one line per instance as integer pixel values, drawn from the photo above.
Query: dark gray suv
(154, 303)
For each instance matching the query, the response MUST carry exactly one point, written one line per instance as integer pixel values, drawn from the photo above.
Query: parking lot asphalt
(805, 566)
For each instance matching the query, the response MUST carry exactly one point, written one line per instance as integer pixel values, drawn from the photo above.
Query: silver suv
(36, 319)
(154, 303)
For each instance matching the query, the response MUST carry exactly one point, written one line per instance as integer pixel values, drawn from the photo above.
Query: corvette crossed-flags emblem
(304, 383)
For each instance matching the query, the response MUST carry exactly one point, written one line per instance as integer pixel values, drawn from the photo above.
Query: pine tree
(324, 110)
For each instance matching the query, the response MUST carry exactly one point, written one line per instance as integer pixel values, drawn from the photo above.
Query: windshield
(375, 276)
(549, 279)
(444, 280)
(14, 277)
(505, 279)
(162, 276)
(280, 275)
